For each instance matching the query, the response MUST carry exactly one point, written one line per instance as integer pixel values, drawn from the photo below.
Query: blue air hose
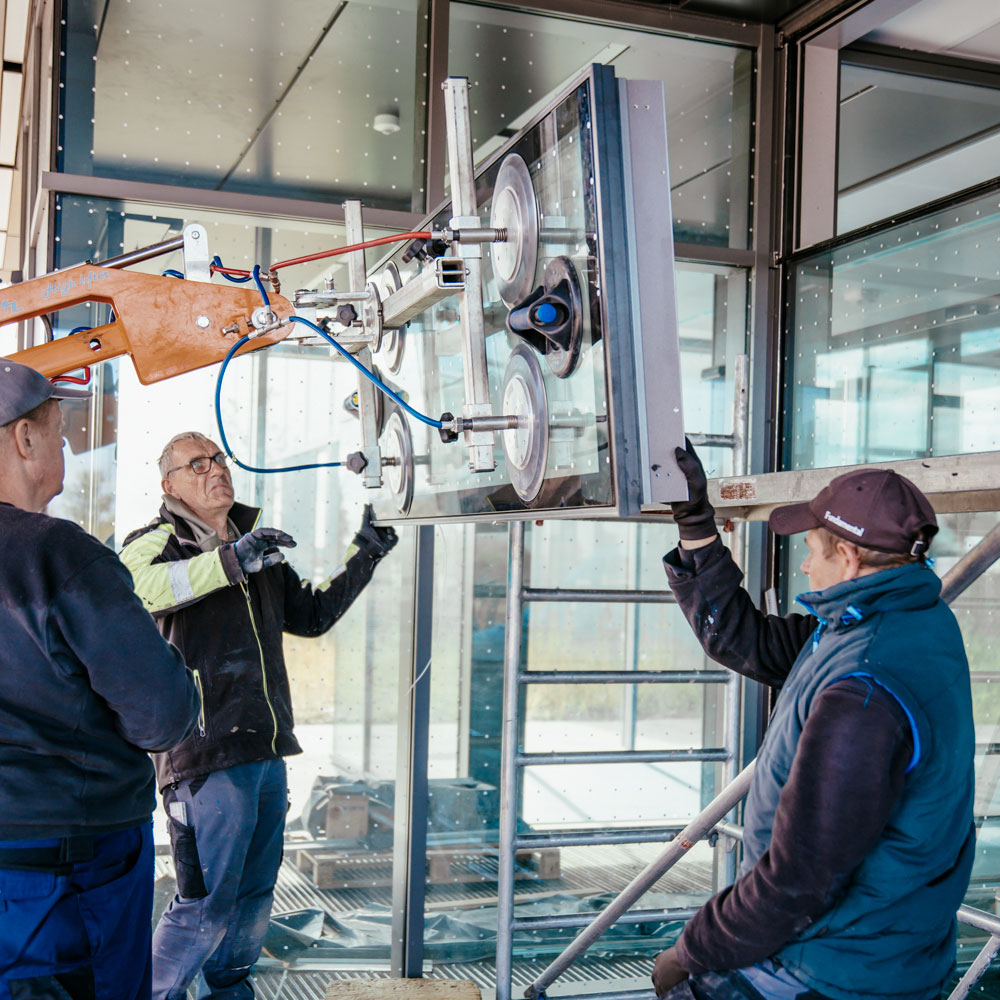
(222, 430)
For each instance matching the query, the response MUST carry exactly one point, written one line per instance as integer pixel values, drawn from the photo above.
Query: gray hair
(166, 456)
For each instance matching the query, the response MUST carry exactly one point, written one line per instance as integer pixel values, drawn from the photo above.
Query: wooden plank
(952, 483)
(403, 989)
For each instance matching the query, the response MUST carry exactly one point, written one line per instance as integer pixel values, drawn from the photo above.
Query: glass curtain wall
(292, 121)
(467, 684)
(906, 139)
(317, 100)
(516, 62)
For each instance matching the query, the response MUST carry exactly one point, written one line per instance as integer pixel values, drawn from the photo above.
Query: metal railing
(713, 819)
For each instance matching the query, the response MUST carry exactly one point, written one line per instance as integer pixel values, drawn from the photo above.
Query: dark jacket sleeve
(846, 778)
(140, 676)
(309, 610)
(708, 586)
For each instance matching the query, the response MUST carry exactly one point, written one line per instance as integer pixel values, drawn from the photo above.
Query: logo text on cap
(846, 525)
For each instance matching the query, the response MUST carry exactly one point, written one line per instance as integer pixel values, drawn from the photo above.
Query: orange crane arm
(166, 325)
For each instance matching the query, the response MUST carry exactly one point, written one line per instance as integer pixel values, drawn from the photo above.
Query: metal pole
(410, 811)
(508, 761)
(466, 209)
(567, 596)
(144, 253)
(625, 676)
(698, 828)
(975, 971)
(716, 754)
(971, 566)
(734, 693)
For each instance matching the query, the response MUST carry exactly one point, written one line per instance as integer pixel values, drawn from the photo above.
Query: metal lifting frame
(962, 575)
(513, 759)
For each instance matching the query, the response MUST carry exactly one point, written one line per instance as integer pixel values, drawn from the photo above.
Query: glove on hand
(694, 517)
(374, 541)
(257, 549)
(667, 971)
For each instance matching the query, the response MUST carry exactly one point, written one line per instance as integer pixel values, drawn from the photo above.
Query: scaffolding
(712, 819)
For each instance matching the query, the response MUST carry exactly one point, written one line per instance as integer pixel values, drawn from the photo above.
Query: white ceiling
(966, 28)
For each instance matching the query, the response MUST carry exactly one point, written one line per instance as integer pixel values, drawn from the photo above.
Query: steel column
(410, 810)
(508, 761)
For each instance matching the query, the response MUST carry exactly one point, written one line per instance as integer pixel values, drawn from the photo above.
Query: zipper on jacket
(263, 669)
(201, 698)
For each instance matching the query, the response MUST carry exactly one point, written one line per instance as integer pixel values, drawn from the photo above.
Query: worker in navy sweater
(219, 587)
(858, 831)
(87, 686)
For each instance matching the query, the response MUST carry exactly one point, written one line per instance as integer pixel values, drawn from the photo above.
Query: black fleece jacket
(229, 628)
(87, 685)
(845, 780)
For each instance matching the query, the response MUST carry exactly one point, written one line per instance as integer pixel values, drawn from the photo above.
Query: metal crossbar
(712, 819)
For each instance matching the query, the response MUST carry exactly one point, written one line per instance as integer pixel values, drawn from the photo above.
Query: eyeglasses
(202, 463)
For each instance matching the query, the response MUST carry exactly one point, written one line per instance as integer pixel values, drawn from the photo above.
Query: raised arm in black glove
(374, 540)
(694, 517)
(258, 549)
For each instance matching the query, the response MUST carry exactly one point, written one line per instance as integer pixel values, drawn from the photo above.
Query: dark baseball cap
(22, 389)
(875, 508)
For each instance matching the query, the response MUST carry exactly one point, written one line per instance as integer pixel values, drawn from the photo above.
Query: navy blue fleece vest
(891, 932)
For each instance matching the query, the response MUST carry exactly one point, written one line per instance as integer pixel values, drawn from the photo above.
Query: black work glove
(694, 517)
(374, 541)
(667, 970)
(258, 549)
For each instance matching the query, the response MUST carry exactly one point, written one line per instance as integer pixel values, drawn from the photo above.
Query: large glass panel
(283, 406)
(894, 349)
(907, 139)
(575, 465)
(315, 100)
(709, 100)
(466, 716)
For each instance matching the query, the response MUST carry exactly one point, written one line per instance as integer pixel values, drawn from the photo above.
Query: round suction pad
(389, 281)
(515, 208)
(525, 447)
(561, 278)
(397, 448)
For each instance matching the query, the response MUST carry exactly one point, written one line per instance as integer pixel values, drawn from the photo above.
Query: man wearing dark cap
(79, 661)
(858, 834)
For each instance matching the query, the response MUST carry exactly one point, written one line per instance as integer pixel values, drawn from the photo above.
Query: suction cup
(526, 447)
(397, 457)
(550, 319)
(515, 208)
(393, 339)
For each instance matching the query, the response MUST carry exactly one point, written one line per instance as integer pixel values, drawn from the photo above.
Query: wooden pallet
(329, 869)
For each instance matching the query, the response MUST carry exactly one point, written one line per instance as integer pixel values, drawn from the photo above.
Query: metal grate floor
(590, 869)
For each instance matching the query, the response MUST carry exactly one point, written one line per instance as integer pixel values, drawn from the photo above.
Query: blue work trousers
(83, 934)
(764, 981)
(226, 831)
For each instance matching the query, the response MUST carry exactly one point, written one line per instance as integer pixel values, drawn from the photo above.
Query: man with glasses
(79, 662)
(220, 589)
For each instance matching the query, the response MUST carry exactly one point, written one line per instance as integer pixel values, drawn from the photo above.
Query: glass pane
(466, 717)
(312, 101)
(893, 343)
(281, 407)
(575, 467)
(906, 140)
(709, 100)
